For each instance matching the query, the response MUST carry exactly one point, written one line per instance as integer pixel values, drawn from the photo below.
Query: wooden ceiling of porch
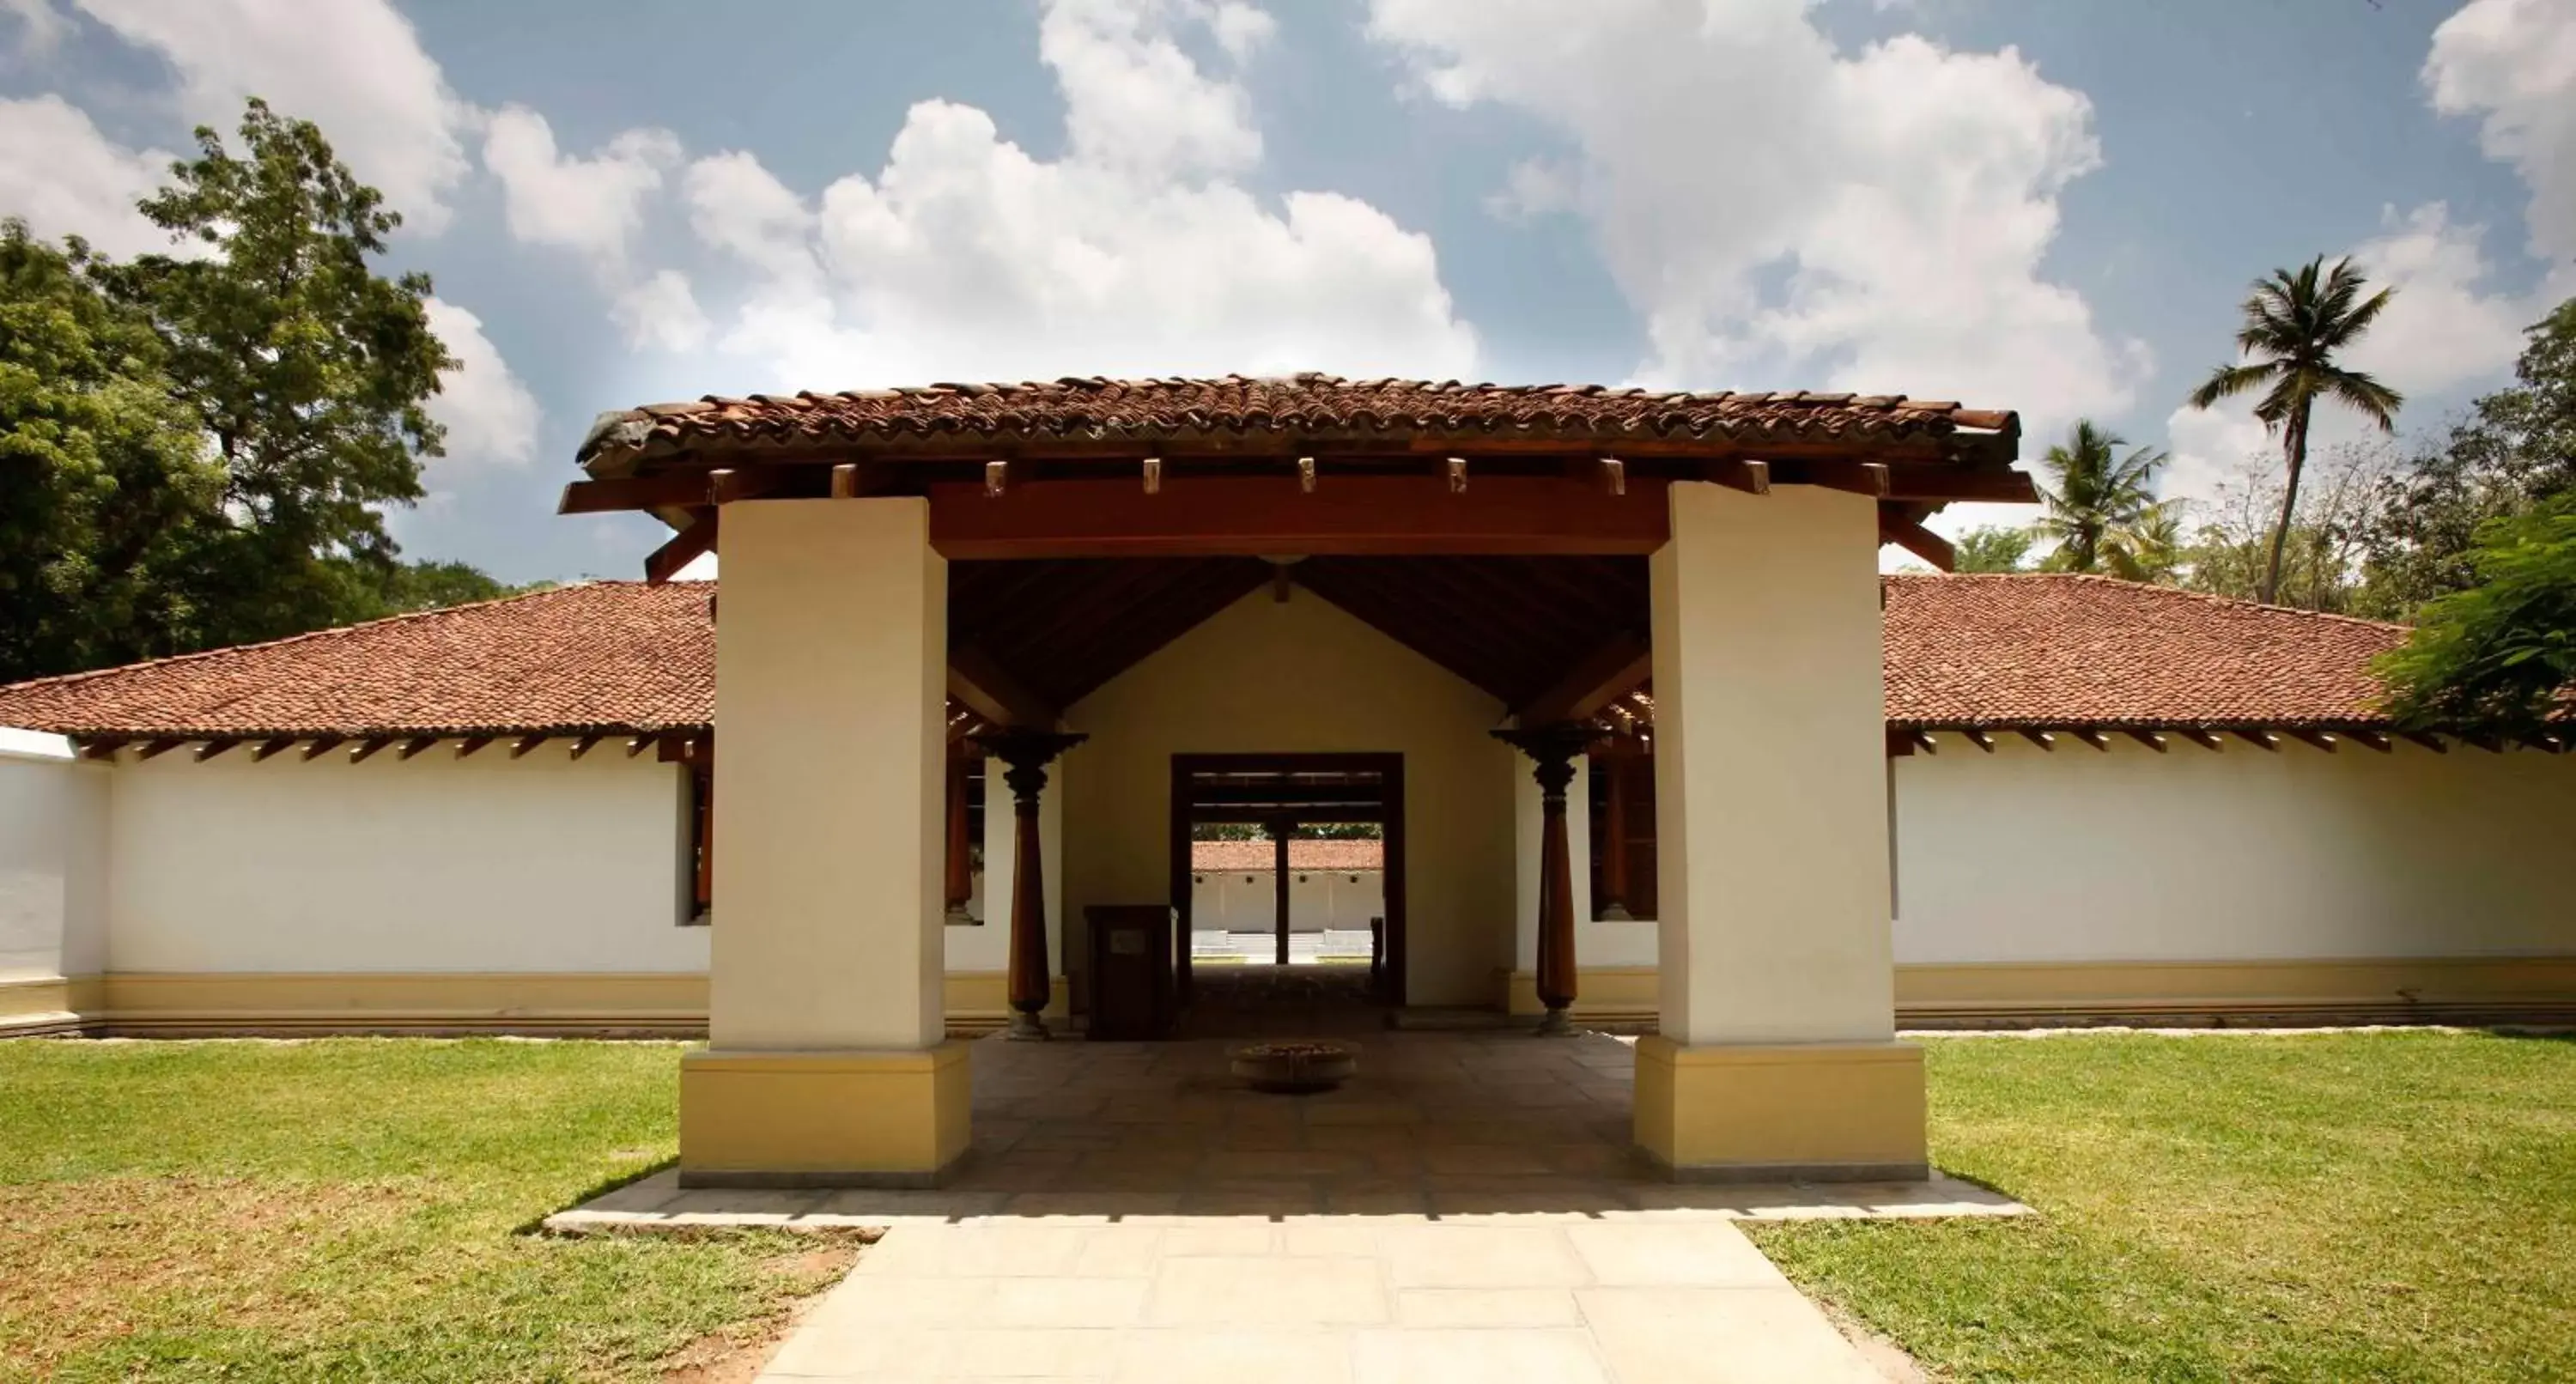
(1514, 627)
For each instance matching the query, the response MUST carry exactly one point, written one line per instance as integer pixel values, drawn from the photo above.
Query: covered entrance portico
(1184, 567)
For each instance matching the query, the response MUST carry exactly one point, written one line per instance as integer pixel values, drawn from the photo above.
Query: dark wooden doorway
(1291, 788)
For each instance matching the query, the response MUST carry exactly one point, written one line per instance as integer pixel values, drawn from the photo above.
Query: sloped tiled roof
(1307, 406)
(2079, 650)
(612, 656)
(1303, 854)
(619, 656)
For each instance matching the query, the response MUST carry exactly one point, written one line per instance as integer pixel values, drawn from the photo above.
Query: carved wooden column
(1552, 749)
(961, 857)
(1032, 979)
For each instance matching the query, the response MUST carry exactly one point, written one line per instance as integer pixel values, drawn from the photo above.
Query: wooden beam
(636, 744)
(2321, 739)
(2093, 738)
(1614, 475)
(1923, 741)
(984, 687)
(1860, 477)
(526, 743)
(471, 743)
(215, 747)
(366, 749)
(160, 747)
(102, 748)
(2040, 738)
(2428, 740)
(696, 486)
(273, 746)
(416, 745)
(2369, 739)
(1751, 477)
(1257, 516)
(2261, 739)
(2488, 743)
(583, 745)
(2148, 738)
(1599, 678)
(1918, 540)
(323, 744)
(1979, 739)
(2202, 738)
(685, 547)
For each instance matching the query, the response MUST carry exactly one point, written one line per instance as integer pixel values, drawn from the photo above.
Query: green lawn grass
(350, 1209)
(2229, 1207)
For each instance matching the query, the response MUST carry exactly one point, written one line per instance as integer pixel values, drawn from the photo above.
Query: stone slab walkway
(1319, 1300)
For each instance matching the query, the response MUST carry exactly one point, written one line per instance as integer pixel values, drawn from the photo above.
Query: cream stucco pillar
(1777, 1054)
(827, 1062)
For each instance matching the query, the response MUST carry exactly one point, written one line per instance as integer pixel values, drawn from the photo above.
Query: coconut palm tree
(2098, 499)
(2295, 324)
(2151, 549)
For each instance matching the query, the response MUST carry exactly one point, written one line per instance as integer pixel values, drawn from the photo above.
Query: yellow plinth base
(1849, 1111)
(822, 1119)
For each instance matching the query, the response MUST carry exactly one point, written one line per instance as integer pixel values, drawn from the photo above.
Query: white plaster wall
(1305, 676)
(1596, 943)
(2076, 855)
(988, 947)
(53, 849)
(429, 864)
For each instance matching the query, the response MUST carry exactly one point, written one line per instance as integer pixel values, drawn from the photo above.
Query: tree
(2295, 323)
(2151, 548)
(1993, 548)
(2516, 448)
(2099, 500)
(2500, 656)
(307, 372)
(2232, 551)
(105, 489)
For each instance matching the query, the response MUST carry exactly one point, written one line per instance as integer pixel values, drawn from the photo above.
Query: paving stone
(1268, 1290)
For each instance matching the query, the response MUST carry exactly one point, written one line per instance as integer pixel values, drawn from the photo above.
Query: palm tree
(2100, 498)
(2151, 549)
(2294, 325)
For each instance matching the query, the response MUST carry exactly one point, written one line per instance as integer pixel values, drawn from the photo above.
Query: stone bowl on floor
(1296, 1066)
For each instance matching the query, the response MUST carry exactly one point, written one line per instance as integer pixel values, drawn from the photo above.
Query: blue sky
(2021, 203)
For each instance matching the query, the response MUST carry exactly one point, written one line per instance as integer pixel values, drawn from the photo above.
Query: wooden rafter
(471, 743)
(2151, 739)
(2207, 740)
(2323, 740)
(2428, 740)
(273, 746)
(368, 748)
(2093, 738)
(104, 747)
(1255, 516)
(1979, 738)
(321, 745)
(520, 747)
(416, 745)
(2040, 738)
(582, 745)
(1751, 477)
(2369, 739)
(1607, 673)
(1905, 533)
(982, 686)
(1860, 477)
(684, 547)
(160, 747)
(215, 747)
(2258, 738)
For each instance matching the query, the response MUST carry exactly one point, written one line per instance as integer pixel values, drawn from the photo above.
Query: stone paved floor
(1467, 1207)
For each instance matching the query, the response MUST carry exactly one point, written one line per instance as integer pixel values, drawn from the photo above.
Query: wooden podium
(1132, 995)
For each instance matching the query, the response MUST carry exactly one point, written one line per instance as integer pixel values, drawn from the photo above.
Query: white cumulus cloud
(1784, 213)
(354, 67)
(490, 416)
(2512, 64)
(59, 173)
(1136, 252)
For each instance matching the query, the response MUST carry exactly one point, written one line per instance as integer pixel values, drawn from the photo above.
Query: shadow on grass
(537, 1225)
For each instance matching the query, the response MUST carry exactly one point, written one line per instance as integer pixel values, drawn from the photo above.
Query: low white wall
(487, 864)
(1596, 943)
(53, 847)
(1263, 676)
(987, 945)
(2073, 854)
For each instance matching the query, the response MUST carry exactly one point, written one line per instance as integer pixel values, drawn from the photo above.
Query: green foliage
(2517, 448)
(2295, 323)
(105, 491)
(1993, 548)
(2100, 503)
(197, 449)
(2499, 656)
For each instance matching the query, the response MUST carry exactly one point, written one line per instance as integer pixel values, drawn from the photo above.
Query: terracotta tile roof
(612, 656)
(1315, 406)
(1302, 855)
(618, 656)
(2078, 650)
